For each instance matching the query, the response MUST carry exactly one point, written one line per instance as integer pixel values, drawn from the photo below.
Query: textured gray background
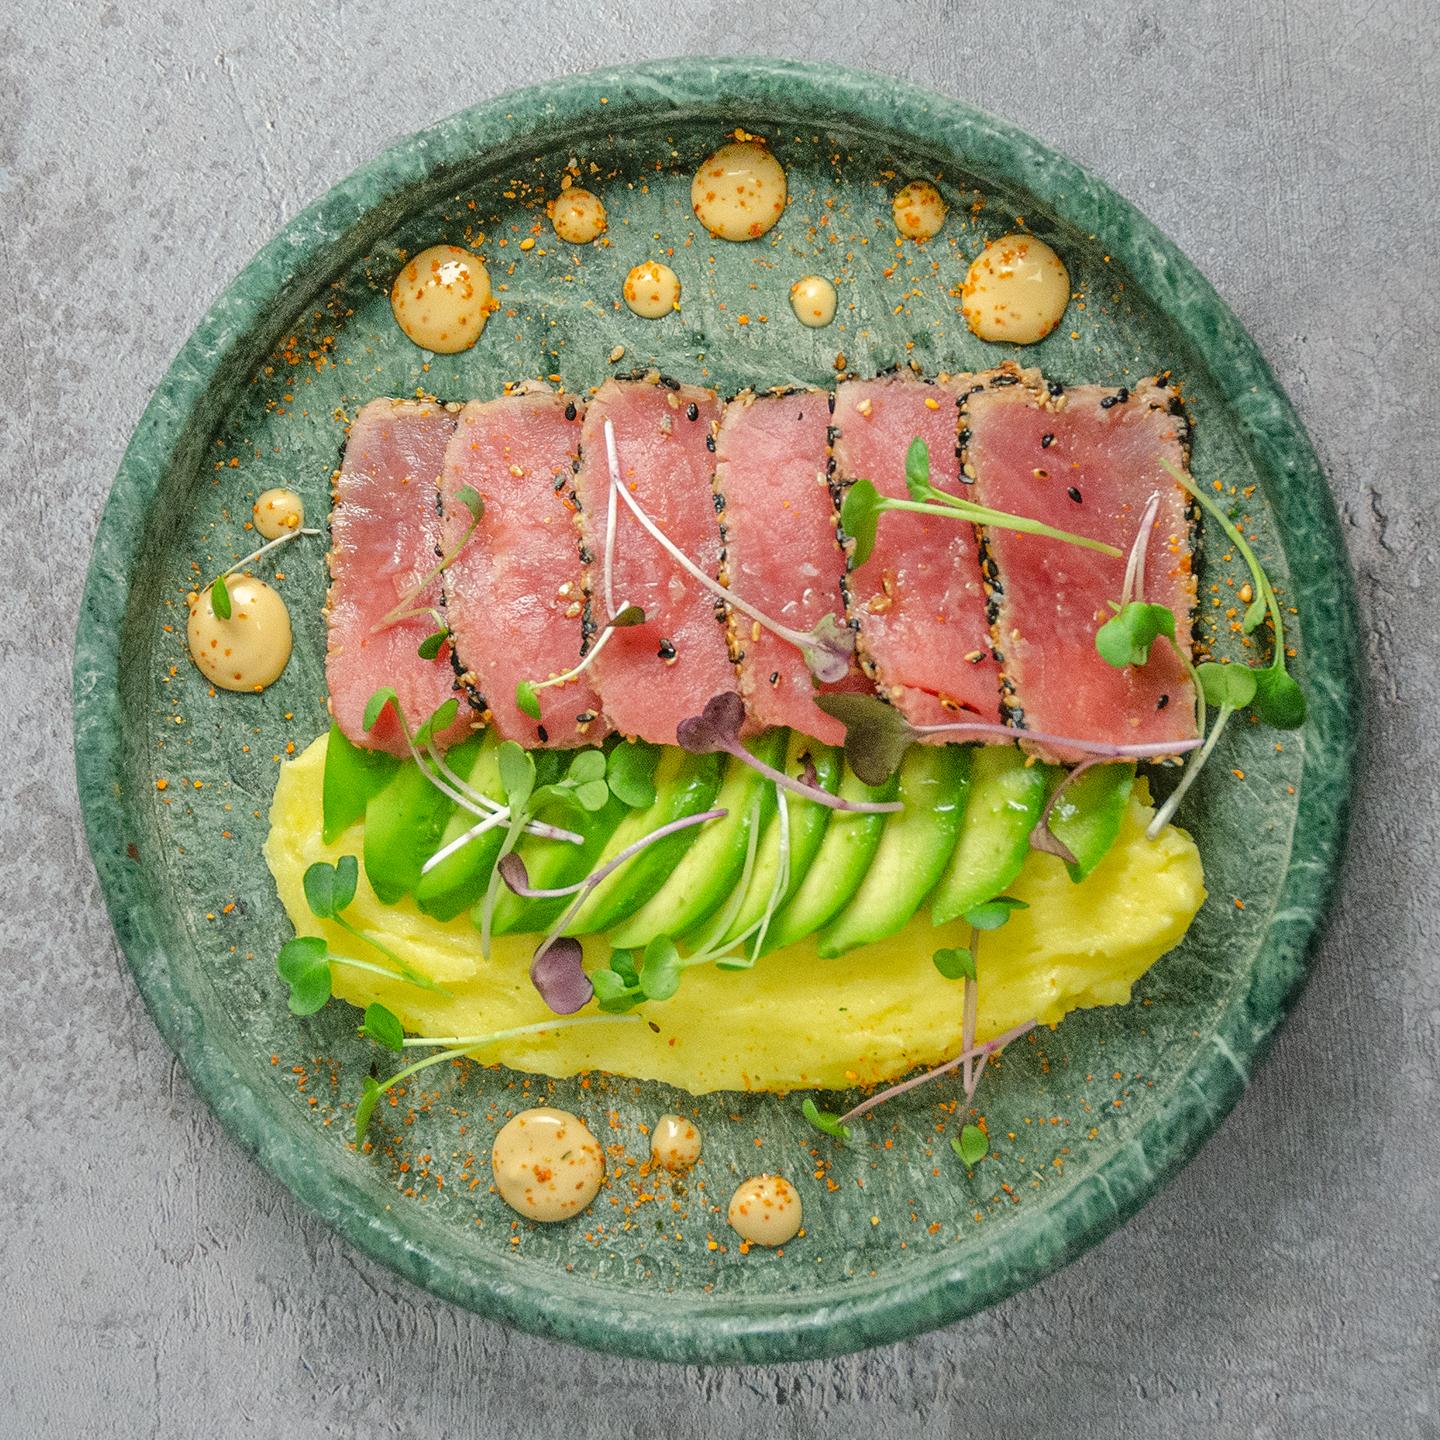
(154, 1283)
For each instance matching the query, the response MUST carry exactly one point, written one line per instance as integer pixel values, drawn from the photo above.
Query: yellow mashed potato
(795, 1021)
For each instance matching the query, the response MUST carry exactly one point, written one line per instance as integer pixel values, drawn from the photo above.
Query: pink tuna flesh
(1086, 460)
(514, 596)
(384, 530)
(781, 553)
(653, 676)
(919, 599)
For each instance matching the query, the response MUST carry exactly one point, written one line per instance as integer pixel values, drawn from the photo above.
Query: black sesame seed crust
(1155, 395)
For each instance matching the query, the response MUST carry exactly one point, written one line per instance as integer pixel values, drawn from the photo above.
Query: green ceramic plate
(1102, 1113)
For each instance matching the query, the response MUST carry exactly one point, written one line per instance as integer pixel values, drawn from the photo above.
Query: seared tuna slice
(654, 675)
(514, 595)
(1086, 460)
(384, 536)
(781, 553)
(918, 601)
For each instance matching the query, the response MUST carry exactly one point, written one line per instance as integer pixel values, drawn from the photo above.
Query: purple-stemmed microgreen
(975, 1052)
(863, 505)
(527, 691)
(405, 608)
(1042, 837)
(877, 736)
(386, 1031)
(546, 967)
(582, 787)
(954, 963)
(717, 730)
(625, 983)
(827, 647)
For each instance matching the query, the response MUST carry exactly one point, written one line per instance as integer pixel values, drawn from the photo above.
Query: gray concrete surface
(155, 1284)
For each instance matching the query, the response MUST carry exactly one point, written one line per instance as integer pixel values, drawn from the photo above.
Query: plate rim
(853, 1315)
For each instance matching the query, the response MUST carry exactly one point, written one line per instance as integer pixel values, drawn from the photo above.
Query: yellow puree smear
(794, 1021)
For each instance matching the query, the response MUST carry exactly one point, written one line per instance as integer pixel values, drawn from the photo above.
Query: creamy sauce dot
(249, 650)
(278, 512)
(765, 1210)
(739, 192)
(442, 299)
(1016, 289)
(675, 1142)
(578, 216)
(547, 1164)
(812, 298)
(652, 290)
(918, 210)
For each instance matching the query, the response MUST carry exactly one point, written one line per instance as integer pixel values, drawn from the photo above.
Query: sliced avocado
(913, 851)
(458, 881)
(404, 822)
(352, 776)
(807, 823)
(1006, 798)
(709, 869)
(849, 844)
(685, 784)
(551, 864)
(1086, 818)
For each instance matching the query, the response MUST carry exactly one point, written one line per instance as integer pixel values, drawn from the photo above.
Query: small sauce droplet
(765, 1210)
(675, 1143)
(652, 290)
(1016, 289)
(919, 210)
(278, 512)
(547, 1164)
(578, 216)
(442, 300)
(739, 192)
(249, 650)
(812, 298)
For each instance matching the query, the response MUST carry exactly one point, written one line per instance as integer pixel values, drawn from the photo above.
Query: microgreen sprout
(954, 963)
(429, 647)
(304, 962)
(1231, 688)
(1042, 837)
(877, 735)
(220, 591)
(1278, 700)
(971, 1145)
(717, 729)
(864, 504)
(827, 647)
(488, 812)
(657, 974)
(582, 787)
(825, 1121)
(405, 608)
(975, 1052)
(527, 699)
(452, 1047)
(555, 968)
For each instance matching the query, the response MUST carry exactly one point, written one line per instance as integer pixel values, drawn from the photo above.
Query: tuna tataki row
(949, 622)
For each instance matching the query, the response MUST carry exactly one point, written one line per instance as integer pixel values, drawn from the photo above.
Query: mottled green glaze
(1079, 1163)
